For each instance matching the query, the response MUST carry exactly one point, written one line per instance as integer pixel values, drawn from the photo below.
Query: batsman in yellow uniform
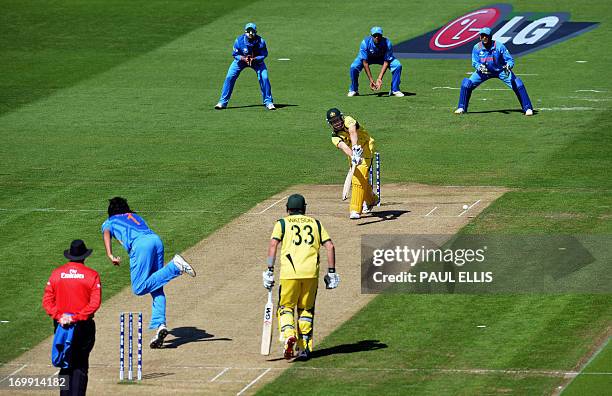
(358, 145)
(300, 238)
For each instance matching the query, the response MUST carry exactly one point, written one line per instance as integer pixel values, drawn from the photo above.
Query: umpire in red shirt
(72, 296)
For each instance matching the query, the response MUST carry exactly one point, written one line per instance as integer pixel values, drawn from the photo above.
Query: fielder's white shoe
(354, 215)
(220, 106)
(158, 341)
(365, 208)
(399, 94)
(529, 112)
(352, 93)
(183, 265)
(270, 106)
(459, 110)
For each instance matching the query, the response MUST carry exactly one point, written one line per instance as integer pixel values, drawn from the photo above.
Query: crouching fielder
(300, 238)
(492, 59)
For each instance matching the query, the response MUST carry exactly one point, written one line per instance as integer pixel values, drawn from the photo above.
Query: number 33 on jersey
(301, 238)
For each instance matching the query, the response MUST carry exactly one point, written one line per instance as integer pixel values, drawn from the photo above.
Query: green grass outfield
(104, 98)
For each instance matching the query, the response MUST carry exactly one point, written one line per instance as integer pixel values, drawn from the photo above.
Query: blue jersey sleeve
(236, 51)
(263, 51)
(389, 54)
(506, 55)
(475, 57)
(363, 50)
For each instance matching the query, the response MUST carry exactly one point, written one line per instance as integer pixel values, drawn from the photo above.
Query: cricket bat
(266, 333)
(347, 182)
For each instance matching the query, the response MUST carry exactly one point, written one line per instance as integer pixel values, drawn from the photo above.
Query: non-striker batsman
(300, 238)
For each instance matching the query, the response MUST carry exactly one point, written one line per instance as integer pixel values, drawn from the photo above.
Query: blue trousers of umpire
(232, 75)
(149, 274)
(357, 67)
(510, 79)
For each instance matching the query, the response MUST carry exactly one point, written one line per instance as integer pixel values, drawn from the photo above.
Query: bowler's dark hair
(297, 211)
(118, 205)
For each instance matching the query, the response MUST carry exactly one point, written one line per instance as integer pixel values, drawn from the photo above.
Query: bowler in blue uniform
(249, 51)
(492, 60)
(147, 270)
(378, 50)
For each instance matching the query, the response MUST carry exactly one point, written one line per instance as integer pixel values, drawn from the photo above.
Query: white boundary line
(13, 373)
(269, 207)
(431, 211)
(219, 375)
(469, 207)
(254, 381)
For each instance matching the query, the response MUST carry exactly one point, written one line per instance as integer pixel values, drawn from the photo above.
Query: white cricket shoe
(529, 112)
(399, 94)
(365, 208)
(270, 106)
(183, 265)
(158, 341)
(354, 215)
(220, 106)
(459, 110)
(352, 93)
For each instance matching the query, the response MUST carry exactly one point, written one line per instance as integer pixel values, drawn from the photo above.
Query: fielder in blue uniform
(249, 51)
(492, 60)
(378, 50)
(147, 270)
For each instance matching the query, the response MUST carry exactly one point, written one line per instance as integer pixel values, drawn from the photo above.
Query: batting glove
(507, 68)
(268, 279)
(482, 68)
(331, 280)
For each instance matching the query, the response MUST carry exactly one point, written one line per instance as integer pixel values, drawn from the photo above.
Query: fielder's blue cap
(376, 30)
(250, 25)
(486, 31)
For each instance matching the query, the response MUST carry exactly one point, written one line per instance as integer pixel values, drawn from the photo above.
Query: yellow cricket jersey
(363, 137)
(301, 238)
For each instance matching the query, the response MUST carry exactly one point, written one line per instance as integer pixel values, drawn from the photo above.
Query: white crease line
(280, 200)
(550, 372)
(220, 374)
(480, 89)
(589, 90)
(469, 207)
(98, 210)
(516, 74)
(431, 211)
(253, 382)
(568, 108)
(13, 373)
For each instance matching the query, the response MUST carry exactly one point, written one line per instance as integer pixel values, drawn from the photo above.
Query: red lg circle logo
(463, 29)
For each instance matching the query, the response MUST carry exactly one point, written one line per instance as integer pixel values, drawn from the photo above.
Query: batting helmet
(333, 113)
(296, 202)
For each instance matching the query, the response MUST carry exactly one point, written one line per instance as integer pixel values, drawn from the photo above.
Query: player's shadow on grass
(277, 105)
(384, 215)
(185, 335)
(502, 111)
(386, 94)
(360, 346)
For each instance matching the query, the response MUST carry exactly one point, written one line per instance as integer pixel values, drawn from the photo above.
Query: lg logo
(521, 33)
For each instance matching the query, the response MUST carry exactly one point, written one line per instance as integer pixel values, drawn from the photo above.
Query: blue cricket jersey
(494, 58)
(371, 52)
(256, 48)
(126, 228)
